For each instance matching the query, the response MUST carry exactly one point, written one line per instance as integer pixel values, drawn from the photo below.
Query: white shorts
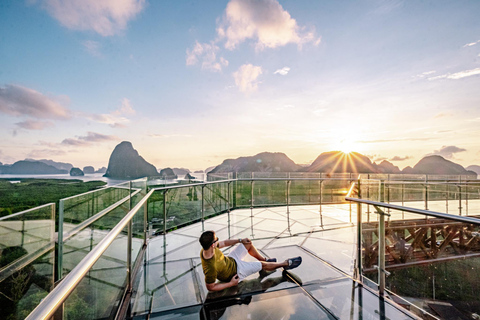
(244, 268)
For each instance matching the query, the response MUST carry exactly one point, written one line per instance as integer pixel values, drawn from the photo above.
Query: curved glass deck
(171, 282)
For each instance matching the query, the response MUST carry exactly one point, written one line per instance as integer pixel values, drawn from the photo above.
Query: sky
(191, 83)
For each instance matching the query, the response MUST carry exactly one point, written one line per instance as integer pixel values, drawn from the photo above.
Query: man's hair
(206, 239)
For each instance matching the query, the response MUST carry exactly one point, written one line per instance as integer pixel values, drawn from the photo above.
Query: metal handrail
(97, 216)
(417, 211)
(250, 179)
(57, 296)
(26, 211)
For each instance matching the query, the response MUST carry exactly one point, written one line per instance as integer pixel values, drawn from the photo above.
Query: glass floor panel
(171, 283)
(285, 304)
(347, 300)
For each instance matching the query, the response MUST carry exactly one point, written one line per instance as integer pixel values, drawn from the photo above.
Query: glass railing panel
(216, 198)
(183, 205)
(334, 191)
(304, 192)
(269, 192)
(432, 261)
(155, 213)
(78, 244)
(242, 193)
(97, 296)
(79, 208)
(26, 260)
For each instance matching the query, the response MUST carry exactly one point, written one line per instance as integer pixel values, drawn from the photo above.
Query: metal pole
(288, 200)
(165, 212)
(321, 194)
(381, 253)
(145, 224)
(426, 192)
(251, 197)
(459, 199)
(129, 256)
(466, 199)
(61, 209)
(129, 244)
(359, 235)
(228, 208)
(203, 208)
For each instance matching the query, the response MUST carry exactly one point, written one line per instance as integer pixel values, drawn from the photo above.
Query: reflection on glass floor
(171, 283)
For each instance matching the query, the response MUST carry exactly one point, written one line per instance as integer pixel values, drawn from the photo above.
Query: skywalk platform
(170, 284)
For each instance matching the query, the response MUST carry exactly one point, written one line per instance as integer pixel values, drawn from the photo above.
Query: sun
(346, 146)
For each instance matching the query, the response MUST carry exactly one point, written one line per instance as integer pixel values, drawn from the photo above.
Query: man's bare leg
(253, 251)
(270, 266)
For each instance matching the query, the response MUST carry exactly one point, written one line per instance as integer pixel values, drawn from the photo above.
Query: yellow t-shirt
(218, 267)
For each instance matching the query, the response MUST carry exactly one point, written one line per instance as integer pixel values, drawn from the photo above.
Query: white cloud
(425, 74)
(45, 153)
(448, 151)
(471, 44)
(284, 71)
(264, 21)
(106, 17)
(207, 52)
(34, 125)
(92, 47)
(246, 77)
(87, 140)
(399, 158)
(174, 135)
(20, 101)
(458, 75)
(117, 118)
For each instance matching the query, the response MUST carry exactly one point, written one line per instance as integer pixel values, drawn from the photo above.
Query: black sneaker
(293, 263)
(271, 260)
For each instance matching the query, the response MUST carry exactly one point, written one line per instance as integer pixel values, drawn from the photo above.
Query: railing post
(382, 191)
(466, 197)
(61, 208)
(426, 192)
(288, 202)
(203, 207)
(381, 253)
(165, 212)
(228, 207)
(145, 223)
(129, 243)
(129, 257)
(459, 200)
(359, 235)
(251, 195)
(321, 194)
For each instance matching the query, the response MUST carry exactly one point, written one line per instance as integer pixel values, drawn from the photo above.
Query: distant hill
(262, 162)
(437, 165)
(126, 163)
(30, 167)
(76, 172)
(58, 165)
(181, 171)
(168, 173)
(88, 170)
(101, 170)
(474, 168)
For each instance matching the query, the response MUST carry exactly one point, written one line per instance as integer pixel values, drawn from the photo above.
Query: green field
(30, 193)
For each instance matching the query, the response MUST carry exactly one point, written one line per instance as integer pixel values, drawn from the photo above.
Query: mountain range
(126, 163)
(44, 166)
(337, 162)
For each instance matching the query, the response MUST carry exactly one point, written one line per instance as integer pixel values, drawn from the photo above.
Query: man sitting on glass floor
(232, 269)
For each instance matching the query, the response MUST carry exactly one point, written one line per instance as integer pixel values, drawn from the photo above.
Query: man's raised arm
(231, 242)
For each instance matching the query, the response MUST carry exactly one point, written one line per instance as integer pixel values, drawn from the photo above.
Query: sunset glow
(191, 84)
